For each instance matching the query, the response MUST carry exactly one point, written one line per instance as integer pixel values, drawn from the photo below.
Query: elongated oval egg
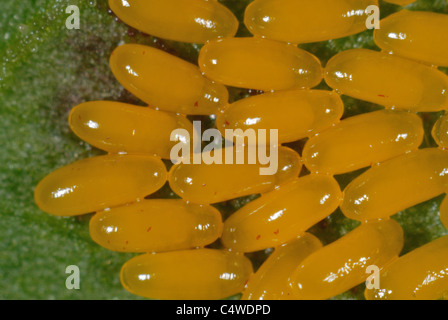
(396, 185)
(388, 80)
(211, 183)
(195, 21)
(271, 281)
(302, 21)
(421, 274)
(156, 225)
(165, 81)
(312, 111)
(363, 140)
(203, 274)
(417, 35)
(261, 64)
(343, 264)
(97, 183)
(118, 127)
(282, 215)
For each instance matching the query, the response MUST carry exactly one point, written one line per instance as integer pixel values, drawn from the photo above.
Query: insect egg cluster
(173, 235)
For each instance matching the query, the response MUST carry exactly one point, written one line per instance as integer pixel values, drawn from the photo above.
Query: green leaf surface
(45, 70)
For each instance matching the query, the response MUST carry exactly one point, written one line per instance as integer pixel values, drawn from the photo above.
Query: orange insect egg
(421, 274)
(97, 183)
(271, 281)
(416, 35)
(342, 264)
(396, 185)
(165, 81)
(312, 111)
(118, 127)
(156, 225)
(301, 21)
(282, 215)
(201, 274)
(363, 140)
(211, 183)
(194, 21)
(388, 80)
(261, 64)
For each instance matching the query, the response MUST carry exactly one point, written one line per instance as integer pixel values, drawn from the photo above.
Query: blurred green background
(45, 70)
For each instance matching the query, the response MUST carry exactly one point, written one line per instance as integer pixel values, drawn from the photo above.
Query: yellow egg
(165, 81)
(194, 21)
(421, 274)
(301, 21)
(271, 281)
(396, 185)
(257, 63)
(416, 35)
(156, 225)
(363, 140)
(281, 215)
(388, 80)
(118, 127)
(342, 264)
(211, 183)
(100, 182)
(311, 110)
(201, 274)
